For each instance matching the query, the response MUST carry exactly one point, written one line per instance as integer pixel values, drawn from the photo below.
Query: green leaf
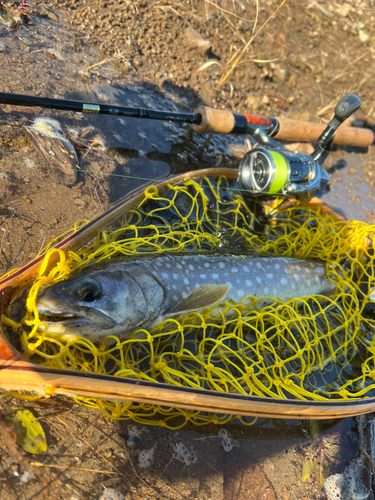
(307, 468)
(30, 434)
(314, 428)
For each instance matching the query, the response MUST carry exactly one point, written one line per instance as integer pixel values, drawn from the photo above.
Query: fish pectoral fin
(329, 291)
(200, 297)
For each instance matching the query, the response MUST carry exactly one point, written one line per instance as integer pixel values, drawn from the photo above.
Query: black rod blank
(103, 109)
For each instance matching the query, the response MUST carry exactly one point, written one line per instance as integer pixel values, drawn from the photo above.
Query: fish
(124, 296)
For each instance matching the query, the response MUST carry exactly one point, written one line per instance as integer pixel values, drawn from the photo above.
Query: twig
(368, 458)
(349, 66)
(103, 458)
(39, 464)
(163, 7)
(320, 8)
(108, 59)
(256, 17)
(241, 38)
(226, 11)
(89, 445)
(327, 108)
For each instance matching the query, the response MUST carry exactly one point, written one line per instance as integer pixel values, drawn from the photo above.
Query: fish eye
(89, 291)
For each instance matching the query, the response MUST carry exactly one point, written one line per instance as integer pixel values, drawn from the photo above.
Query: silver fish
(127, 295)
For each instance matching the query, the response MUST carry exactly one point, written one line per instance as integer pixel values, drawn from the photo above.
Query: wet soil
(88, 453)
(308, 56)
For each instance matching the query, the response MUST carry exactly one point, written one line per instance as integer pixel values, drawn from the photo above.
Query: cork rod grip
(220, 121)
(292, 130)
(217, 121)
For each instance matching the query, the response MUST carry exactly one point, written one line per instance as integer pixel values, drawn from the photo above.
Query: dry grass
(235, 59)
(235, 14)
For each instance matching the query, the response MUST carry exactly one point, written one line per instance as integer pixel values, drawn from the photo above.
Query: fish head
(96, 304)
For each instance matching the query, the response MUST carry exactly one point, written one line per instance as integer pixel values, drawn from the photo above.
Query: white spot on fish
(203, 276)
(168, 265)
(179, 266)
(317, 279)
(249, 283)
(293, 286)
(206, 264)
(246, 269)
(269, 276)
(186, 281)
(165, 276)
(215, 276)
(296, 276)
(234, 270)
(259, 265)
(191, 267)
(277, 266)
(175, 276)
(221, 265)
(174, 287)
(284, 281)
(319, 270)
(241, 293)
(266, 290)
(258, 279)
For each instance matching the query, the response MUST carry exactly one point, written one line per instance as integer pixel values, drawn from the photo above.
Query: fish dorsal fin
(200, 297)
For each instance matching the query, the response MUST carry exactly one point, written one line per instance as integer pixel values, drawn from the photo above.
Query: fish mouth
(60, 321)
(55, 320)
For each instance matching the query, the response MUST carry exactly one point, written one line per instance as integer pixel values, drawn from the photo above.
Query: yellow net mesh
(318, 348)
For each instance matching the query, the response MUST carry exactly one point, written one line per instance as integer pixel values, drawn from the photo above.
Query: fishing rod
(206, 120)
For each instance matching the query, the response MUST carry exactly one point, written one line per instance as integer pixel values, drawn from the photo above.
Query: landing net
(318, 348)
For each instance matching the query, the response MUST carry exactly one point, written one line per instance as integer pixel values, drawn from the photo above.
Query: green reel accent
(281, 173)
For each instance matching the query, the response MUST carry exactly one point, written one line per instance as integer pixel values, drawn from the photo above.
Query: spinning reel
(271, 169)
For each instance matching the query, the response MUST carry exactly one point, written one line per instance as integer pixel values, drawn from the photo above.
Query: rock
(196, 41)
(79, 202)
(343, 10)
(237, 150)
(301, 147)
(280, 73)
(363, 36)
(292, 80)
(253, 103)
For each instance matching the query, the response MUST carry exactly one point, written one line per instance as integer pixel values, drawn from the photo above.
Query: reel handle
(344, 109)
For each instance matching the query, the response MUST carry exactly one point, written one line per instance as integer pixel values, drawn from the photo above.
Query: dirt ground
(167, 55)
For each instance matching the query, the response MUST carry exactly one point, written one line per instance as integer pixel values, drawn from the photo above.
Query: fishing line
(104, 174)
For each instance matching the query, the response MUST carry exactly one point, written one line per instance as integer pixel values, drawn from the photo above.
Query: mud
(140, 54)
